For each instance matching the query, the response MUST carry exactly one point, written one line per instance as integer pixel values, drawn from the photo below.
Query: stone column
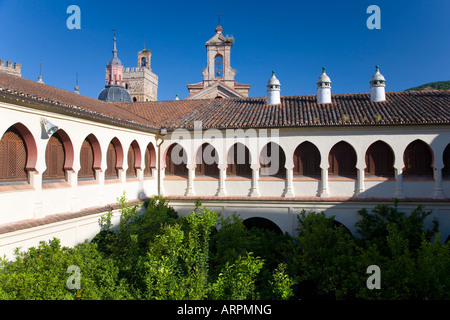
(438, 192)
(35, 178)
(323, 192)
(359, 192)
(190, 184)
(221, 191)
(72, 179)
(289, 191)
(254, 192)
(399, 184)
(162, 172)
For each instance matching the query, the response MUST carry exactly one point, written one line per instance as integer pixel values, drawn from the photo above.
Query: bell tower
(218, 76)
(140, 81)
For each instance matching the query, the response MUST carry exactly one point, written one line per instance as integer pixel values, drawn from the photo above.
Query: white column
(72, 179)
(289, 191)
(190, 185)
(162, 172)
(323, 192)
(221, 191)
(359, 192)
(35, 178)
(254, 192)
(399, 184)
(438, 192)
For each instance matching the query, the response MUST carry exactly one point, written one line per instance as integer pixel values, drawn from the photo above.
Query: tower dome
(273, 90)
(377, 86)
(114, 92)
(324, 88)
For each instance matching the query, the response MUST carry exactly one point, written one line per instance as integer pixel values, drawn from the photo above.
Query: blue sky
(294, 38)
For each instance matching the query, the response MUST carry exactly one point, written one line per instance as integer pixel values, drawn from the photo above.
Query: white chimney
(377, 87)
(273, 90)
(323, 88)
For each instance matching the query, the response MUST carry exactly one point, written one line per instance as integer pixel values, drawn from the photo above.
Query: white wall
(36, 200)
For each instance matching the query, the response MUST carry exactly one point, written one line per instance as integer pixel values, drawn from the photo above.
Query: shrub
(41, 273)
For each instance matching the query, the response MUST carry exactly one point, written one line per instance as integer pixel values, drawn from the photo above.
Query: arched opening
(418, 160)
(114, 159)
(262, 223)
(338, 224)
(133, 159)
(134, 99)
(239, 161)
(206, 161)
(272, 160)
(13, 157)
(150, 159)
(307, 160)
(218, 66)
(176, 160)
(87, 171)
(342, 160)
(143, 62)
(58, 157)
(379, 160)
(446, 158)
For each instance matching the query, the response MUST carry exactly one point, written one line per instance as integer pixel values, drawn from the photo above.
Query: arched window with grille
(114, 159)
(54, 159)
(150, 159)
(176, 160)
(206, 161)
(13, 157)
(379, 160)
(418, 160)
(90, 158)
(134, 159)
(272, 160)
(307, 160)
(239, 161)
(342, 160)
(87, 171)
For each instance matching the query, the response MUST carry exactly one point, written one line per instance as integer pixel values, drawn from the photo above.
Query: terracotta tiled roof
(63, 101)
(354, 109)
(400, 108)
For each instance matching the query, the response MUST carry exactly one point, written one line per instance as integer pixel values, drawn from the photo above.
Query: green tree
(41, 273)
(327, 260)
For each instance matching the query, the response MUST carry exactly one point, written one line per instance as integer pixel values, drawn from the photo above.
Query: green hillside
(438, 85)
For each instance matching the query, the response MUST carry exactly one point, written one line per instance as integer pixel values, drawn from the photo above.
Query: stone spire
(40, 74)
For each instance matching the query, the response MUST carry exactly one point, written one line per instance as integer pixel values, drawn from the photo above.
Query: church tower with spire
(114, 89)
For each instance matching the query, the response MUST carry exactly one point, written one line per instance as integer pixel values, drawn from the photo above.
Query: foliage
(327, 261)
(177, 266)
(41, 273)
(438, 85)
(237, 280)
(152, 253)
